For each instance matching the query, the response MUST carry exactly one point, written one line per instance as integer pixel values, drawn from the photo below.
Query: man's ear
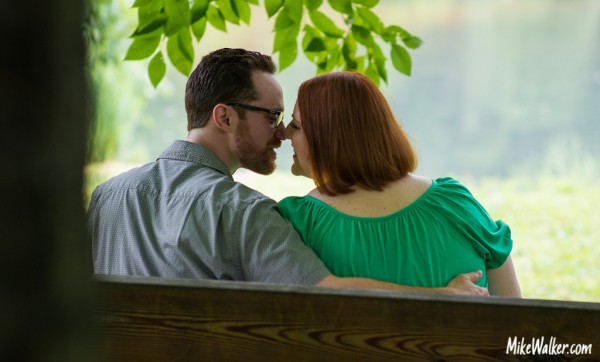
(220, 117)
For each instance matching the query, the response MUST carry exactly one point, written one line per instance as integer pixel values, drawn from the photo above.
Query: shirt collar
(193, 152)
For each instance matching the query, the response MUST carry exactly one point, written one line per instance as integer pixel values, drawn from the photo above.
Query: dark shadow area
(44, 289)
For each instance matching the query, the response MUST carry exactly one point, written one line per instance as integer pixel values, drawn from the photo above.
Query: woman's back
(415, 232)
(370, 203)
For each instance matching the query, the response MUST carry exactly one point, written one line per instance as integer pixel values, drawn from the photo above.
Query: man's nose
(281, 131)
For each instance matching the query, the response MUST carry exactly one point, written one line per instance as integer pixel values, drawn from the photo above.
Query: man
(184, 216)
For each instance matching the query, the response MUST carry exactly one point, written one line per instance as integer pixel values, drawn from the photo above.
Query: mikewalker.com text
(543, 346)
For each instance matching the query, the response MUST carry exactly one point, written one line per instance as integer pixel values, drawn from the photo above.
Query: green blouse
(445, 232)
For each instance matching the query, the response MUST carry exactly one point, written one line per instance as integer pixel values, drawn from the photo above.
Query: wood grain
(149, 319)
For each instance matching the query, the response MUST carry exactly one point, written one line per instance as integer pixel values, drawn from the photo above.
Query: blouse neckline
(394, 214)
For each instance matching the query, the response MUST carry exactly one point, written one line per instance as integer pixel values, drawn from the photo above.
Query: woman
(369, 215)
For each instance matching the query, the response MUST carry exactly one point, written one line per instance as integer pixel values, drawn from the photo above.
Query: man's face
(255, 138)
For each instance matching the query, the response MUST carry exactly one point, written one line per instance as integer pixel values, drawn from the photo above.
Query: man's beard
(250, 157)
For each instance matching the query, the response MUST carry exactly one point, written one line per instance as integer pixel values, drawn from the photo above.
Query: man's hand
(463, 284)
(460, 285)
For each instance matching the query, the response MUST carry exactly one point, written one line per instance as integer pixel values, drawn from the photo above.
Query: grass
(553, 221)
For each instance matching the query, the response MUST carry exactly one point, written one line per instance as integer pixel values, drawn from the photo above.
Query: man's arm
(460, 285)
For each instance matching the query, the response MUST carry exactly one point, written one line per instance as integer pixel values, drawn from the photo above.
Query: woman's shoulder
(304, 211)
(290, 201)
(297, 200)
(296, 204)
(451, 195)
(449, 185)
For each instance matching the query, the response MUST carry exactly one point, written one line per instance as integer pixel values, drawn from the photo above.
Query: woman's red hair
(353, 137)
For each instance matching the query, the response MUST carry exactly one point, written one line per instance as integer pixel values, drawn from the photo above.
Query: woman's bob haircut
(352, 135)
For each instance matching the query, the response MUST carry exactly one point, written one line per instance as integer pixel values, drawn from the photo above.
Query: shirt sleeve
(272, 251)
(491, 238)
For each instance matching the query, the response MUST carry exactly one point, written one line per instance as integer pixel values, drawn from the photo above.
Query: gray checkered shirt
(183, 216)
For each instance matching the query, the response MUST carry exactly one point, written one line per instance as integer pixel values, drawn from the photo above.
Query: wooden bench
(153, 319)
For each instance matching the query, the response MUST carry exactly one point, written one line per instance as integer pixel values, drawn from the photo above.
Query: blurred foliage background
(504, 96)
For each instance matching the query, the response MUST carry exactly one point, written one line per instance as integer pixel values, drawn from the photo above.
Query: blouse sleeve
(293, 209)
(491, 238)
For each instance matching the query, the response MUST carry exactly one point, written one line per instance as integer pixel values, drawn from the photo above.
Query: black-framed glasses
(275, 112)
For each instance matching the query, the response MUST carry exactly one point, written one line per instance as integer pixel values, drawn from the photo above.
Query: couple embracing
(369, 223)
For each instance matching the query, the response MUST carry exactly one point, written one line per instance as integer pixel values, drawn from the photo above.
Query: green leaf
(371, 19)
(152, 29)
(273, 6)
(315, 45)
(253, 2)
(294, 9)
(228, 11)
(320, 62)
(322, 66)
(397, 30)
(326, 25)
(178, 16)
(351, 65)
(286, 44)
(362, 35)
(215, 18)
(186, 45)
(379, 58)
(284, 38)
(243, 10)
(142, 48)
(140, 3)
(312, 43)
(280, 39)
(342, 6)
(412, 42)
(181, 51)
(360, 63)
(309, 30)
(148, 13)
(288, 54)
(283, 21)
(372, 73)
(198, 28)
(401, 59)
(312, 4)
(367, 3)
(199, 10)
(305, 43)
(349, 48)
(375, 50)
(380, 63)
(291, 14)
(157, 69)
(334, 58)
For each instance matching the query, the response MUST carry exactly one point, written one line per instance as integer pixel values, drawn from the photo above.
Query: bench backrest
(151, 319)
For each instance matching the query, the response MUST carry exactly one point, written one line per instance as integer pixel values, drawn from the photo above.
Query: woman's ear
(220, 117)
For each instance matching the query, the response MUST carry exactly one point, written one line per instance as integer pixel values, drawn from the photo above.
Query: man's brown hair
(223, 76)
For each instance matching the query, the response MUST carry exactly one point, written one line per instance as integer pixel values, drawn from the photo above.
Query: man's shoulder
(139, 175)
(237, 194)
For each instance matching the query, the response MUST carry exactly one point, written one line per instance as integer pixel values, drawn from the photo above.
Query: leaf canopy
(354, 43)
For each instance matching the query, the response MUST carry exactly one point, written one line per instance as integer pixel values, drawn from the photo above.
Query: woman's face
(294, 133)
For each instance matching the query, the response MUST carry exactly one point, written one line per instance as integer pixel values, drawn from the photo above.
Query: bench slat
(151, 319)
